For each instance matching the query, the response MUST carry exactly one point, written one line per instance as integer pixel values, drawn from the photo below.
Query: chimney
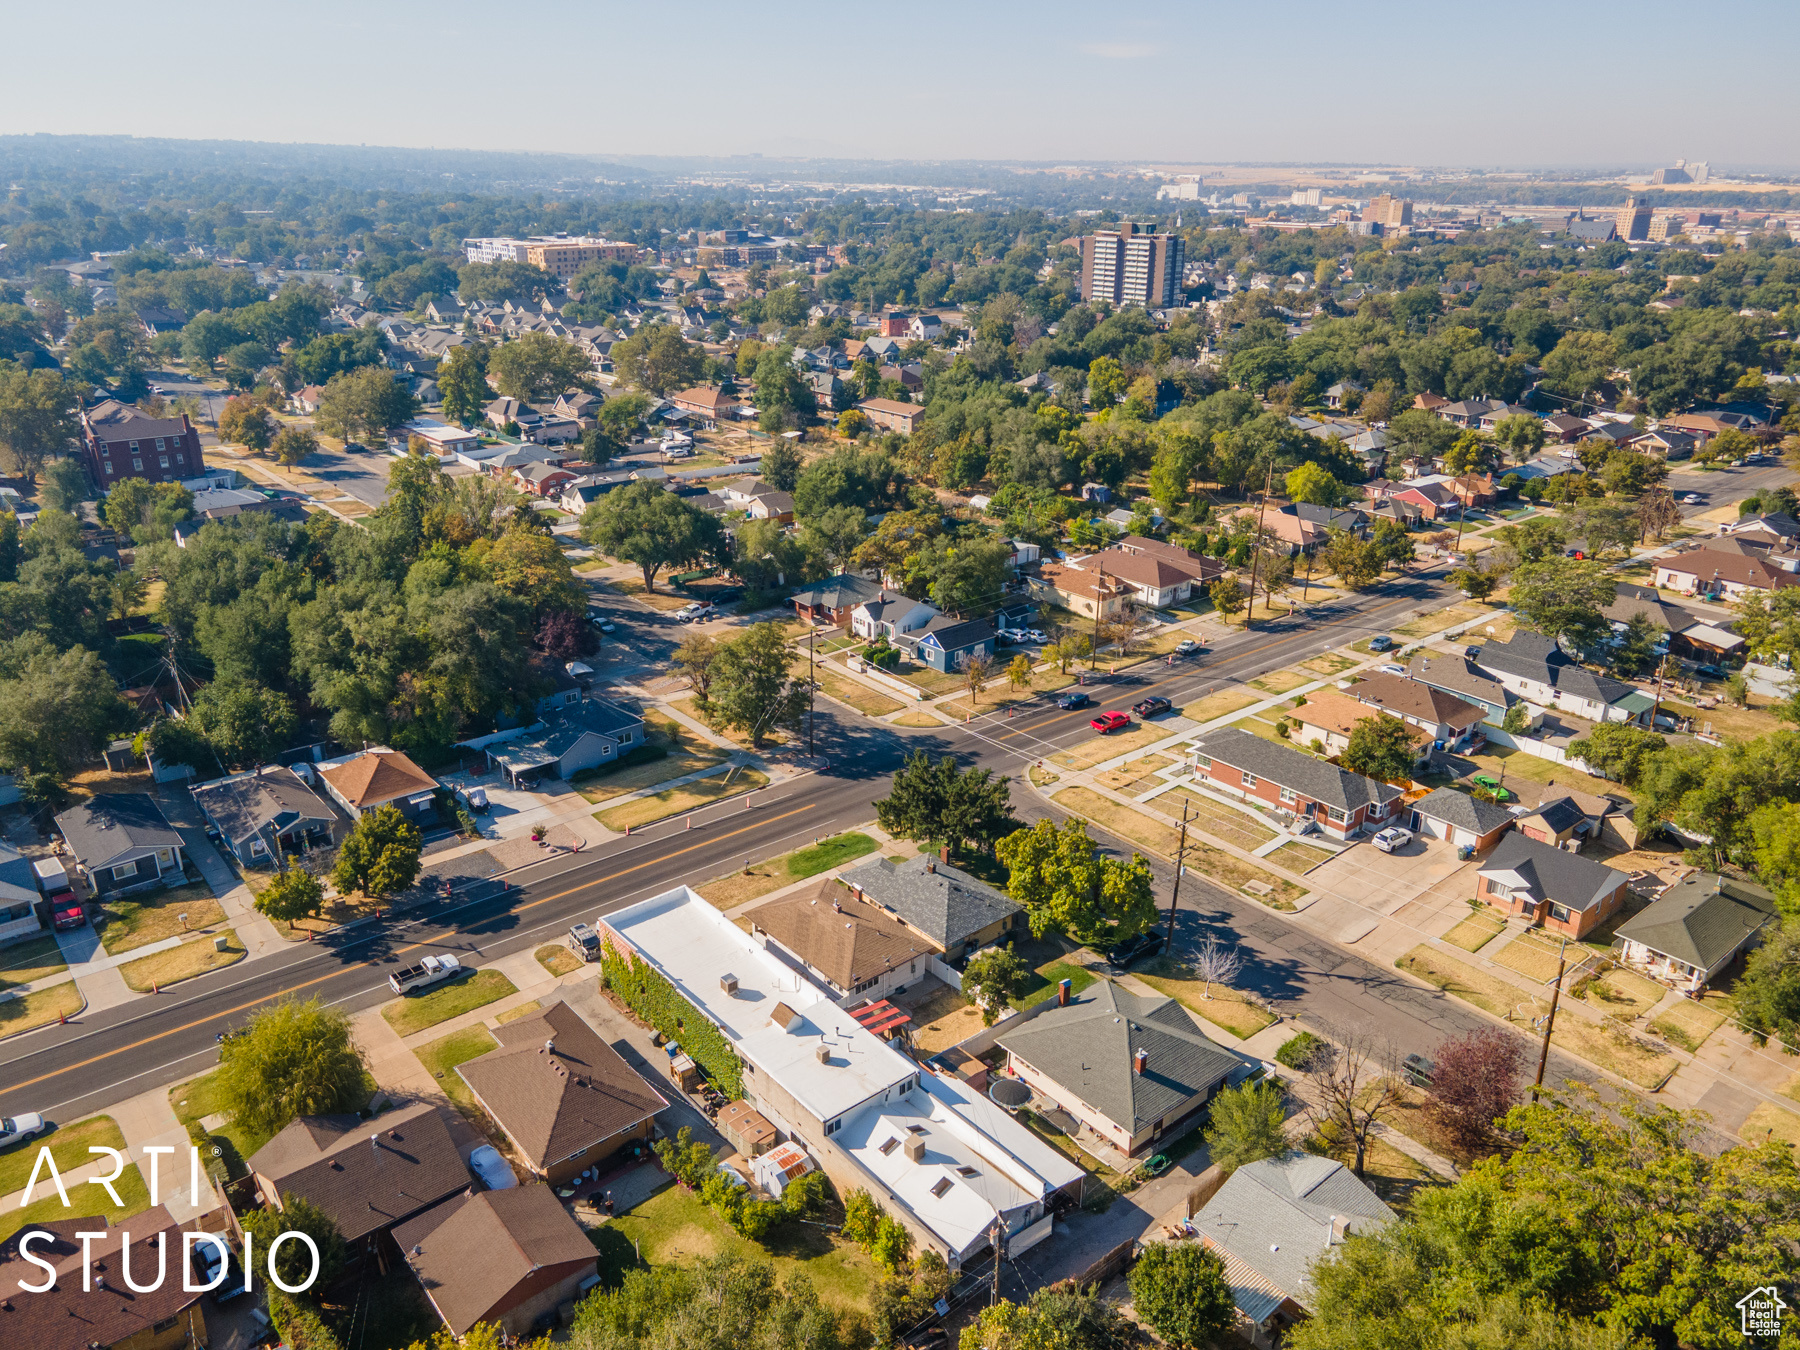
(822, 1053)
(1062, 993)
(836, 907)
(1340, 1226)
(1141, 1060)
(944, 853)
(915, 1149)
(931, 865)
(549, 1047)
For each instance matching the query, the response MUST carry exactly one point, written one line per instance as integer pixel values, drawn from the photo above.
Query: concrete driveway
(1423, 886)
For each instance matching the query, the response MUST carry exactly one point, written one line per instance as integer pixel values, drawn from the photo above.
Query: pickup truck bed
(432, 970)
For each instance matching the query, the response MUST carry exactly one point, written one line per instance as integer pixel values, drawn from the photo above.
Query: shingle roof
(67, 1316)
(116, 826)
(1410, 698)
(377, 776)
(839, 592)
(472, 1253)
(1143, 569)
(562, 729)
(1631, 601)
(952, 634)
(1089, 1046)
(1702, 920)
(244, 806)
(1552, 873)
(944, 903)
(554, 1102)
(1332, 711)
(1314, 778)
(847, 939)
(1532, 656)
(1463, 810)
(1275, 1216)
(1459, 676)
(1558, 815)
(364, 1186)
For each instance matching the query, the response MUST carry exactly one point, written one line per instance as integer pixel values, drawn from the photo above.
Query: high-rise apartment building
(1633, 220)
(1130, 266)
(1388, 211)
(1665, 227)
(561, 255)
(1307, 197)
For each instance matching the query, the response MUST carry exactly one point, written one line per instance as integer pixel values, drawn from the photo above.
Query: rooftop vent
(822, 1053)
(915, 1150)
(728, 983)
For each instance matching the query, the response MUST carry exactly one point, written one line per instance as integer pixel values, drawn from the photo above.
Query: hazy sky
(1400, 81)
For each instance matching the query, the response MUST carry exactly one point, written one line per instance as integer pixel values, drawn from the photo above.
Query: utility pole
(999, 1255)
(812, 683)
(1562, 958)
(1256, 544)
(1180, 862)
(1662, 670)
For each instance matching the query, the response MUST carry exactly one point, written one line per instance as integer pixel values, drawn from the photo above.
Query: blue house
(943, 643)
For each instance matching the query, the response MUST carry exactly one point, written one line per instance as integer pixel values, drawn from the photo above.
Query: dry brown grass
(1531, 957)
(1099, 749)
(557, 959)
(689, 797)
(1136, 776)
(1475, 932)
(846, 690)
(40, 1009)
(1226, 1008)
(1281, 681)
(943, 1020)
(918, 718)
(634, 587)
(687, 708)
(1221, 821)
(1297, 857)
(1220, 703)
(192, 958)
(151, 916)
(678, 764)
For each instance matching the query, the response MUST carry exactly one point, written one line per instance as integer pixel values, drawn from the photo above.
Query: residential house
(374, 778)
(20, 895)
(565, 1099)
(1560, 890)
(1429, 402)
(879, 349)
(1474, 489)
(578, 404)
(506, 410)
(894, 324)
(268, 810)
(1094, 594)
(1272, 1222)
(1719, 574)
(925, 328)
(1155, 581)
(705, 403)
(580, 493)
(1460, 819)
(1336, 396)
(1709, 424)
(1565, 428)
(1458, 676)
(121, 442)
(1689, 633)
(1665, 443)
(1536, 669)
(1471, 412)
(1773, 529)
(1695, 929)
(224, 503)
(1608, 432)
(1341, 803)
(759, 500)
(1132, 1069)
(1435, 500)
(854, 947)
(542, 479)
(86, 1306)
(578, 736)
(910, 377)
(445, 441)
(891, 614)
(1328, 719)
(306, 402)
(946, 643)
(831, 601)
(1442, 715)
(949, 908)
(826, 388)
(1545, 466)
(123, 843)
(510, 1257)
(890, 415)
(1201, 569)
(367, 1175)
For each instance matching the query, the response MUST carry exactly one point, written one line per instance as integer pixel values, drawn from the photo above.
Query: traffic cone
(690, 823)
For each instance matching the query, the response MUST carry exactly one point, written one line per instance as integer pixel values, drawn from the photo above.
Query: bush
(1297, 1052)
(654, 999)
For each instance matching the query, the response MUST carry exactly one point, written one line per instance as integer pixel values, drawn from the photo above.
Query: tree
(291, 896)
(656, 359)
(1474, 581)
(292, 1059)
(537, 366)
(1521, 434)
(1383, 748)
(37, 418)
(1058, 1317)
(1564, 598)
(462, 381)
(243, 722)
(1602, 525)
(853, 422)
(380, 855)
(293, 444)
(65, 485)
(1310, 483)
(1768, 992)
(751, 687)
(939, 800)
(1107, 382)
(1351, 560)
(1474, 1082)
(970, 576)
(243, 421)
(694, 658)
(1216, 962)
(1179, 1290)
(975, 668)
(1580, 363)
(1617, 750)
(57, 711)
(780, 467)
(993, 980)
(1247, 1124)
(1356, 1087)
(365, 402)
(1064, 883)
(832, 537)
(1471, 452)
(1020, 672)
(1657, 514)
(1393, 545)
(1227, 597)
(293, 1263)
(643, 524)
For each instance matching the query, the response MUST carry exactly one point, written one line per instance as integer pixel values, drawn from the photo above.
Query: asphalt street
(67, 1071)
(1724, 486)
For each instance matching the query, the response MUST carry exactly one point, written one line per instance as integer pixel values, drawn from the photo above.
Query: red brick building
(1563, 891)
(1343, 804)
(122, 442)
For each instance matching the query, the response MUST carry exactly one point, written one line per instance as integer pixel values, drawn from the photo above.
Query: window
(941, 1185)
(180, 459)
(165, 460)
(134, 447)
(159, 443)
(165, 1324)
(1560, 913)
(137, 465)
(890, 1146)
(1287, 794)
(965, 1172)
(125, 871)
(1336, 815)
(109, 467)
(105, 448)
(833, 1126)
(915, 1129)
(1248, 780)
(1202, 762)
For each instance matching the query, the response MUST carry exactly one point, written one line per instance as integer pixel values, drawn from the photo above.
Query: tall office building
(1633, 220)
(1307, 197)
(1388, 211)
(1130, 266)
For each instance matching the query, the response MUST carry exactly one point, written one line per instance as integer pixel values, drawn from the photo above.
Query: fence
(1537, 749)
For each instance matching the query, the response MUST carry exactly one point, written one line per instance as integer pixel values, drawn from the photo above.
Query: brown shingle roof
(853, 942)
(1138, 568)
(364, 1186)
(479, 1256)
(556, 1102)
(377, 776)
(1077, 582)
(1409, 698)
(64, 1317)
(1339, 713)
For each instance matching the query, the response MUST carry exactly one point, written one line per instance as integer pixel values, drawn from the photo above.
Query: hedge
(299, 1325)
(654, 999)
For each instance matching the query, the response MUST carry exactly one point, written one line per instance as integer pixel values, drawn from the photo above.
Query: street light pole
(812, 683)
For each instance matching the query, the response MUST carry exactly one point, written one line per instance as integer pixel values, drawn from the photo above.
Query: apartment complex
(121, 442)
(1130, 266)
(1389, 212)
(1633, 221)
(561, 255)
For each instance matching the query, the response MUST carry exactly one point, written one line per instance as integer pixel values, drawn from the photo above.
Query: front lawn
(1476, 931)
(736, 888)
(440, 1058)
(1282, 681)
(197, 956)
(557, 959)
(1220, 703)
(68, 1146)
(85, 1202)
(688, 797)
(1226, 1008)
(24, 962)
(1221, 821)
(1110, 745)
(419, 1011)
(652, 770)
(154, 915)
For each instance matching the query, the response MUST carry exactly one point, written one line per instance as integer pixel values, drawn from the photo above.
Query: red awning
(880, 1018)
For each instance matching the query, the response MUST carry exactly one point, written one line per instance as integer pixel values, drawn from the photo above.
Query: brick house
(1562, 891)
(120, 442)
(704, 402)
(1341, 803)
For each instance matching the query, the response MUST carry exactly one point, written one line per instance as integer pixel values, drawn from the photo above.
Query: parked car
(67, 912)
(1710, 672)
(1074, 700)
(1472, 652)
(584, 942)
(432, 970)
(1492, 784)
(1186, 647)
(1110, 721)
(495, 1173)
(1381, 642)
(1418, 1070)
(699, 610)
(1152, 707)
(1689, 499)
(600, 621)
(1135, 949)
(1393, 839)
(17, 1129)
(208, 1257)
(1392, 668)
(355, 448)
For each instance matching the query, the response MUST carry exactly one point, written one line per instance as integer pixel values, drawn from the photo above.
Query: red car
(66, 911)
(1110, 721)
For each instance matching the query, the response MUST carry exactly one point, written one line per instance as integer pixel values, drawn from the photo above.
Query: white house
(890, 615)
(446, 441)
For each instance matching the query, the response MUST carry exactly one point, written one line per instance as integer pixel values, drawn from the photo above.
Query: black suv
(1135, 949)
(1152, 707)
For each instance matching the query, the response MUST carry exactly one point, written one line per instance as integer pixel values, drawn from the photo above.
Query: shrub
(1297, 1052)
(654, 999)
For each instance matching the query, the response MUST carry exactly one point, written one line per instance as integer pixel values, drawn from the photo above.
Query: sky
(1531, 83)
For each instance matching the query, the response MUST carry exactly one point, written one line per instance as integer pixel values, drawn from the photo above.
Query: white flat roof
(858, 1065)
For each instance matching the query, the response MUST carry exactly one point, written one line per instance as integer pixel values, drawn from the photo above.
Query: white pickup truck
(432, 970)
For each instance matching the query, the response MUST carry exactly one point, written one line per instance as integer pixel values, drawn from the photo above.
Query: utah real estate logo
(1761, 1311)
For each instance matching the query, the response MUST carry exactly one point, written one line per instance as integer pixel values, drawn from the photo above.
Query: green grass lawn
(193, 1101)
(735, 888)
(827, 854)
(68, 1146)
(1046, 977)
(85, 1202)
(441, 1057)
(409, 1015)
(674, 1227)
(27, 961)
